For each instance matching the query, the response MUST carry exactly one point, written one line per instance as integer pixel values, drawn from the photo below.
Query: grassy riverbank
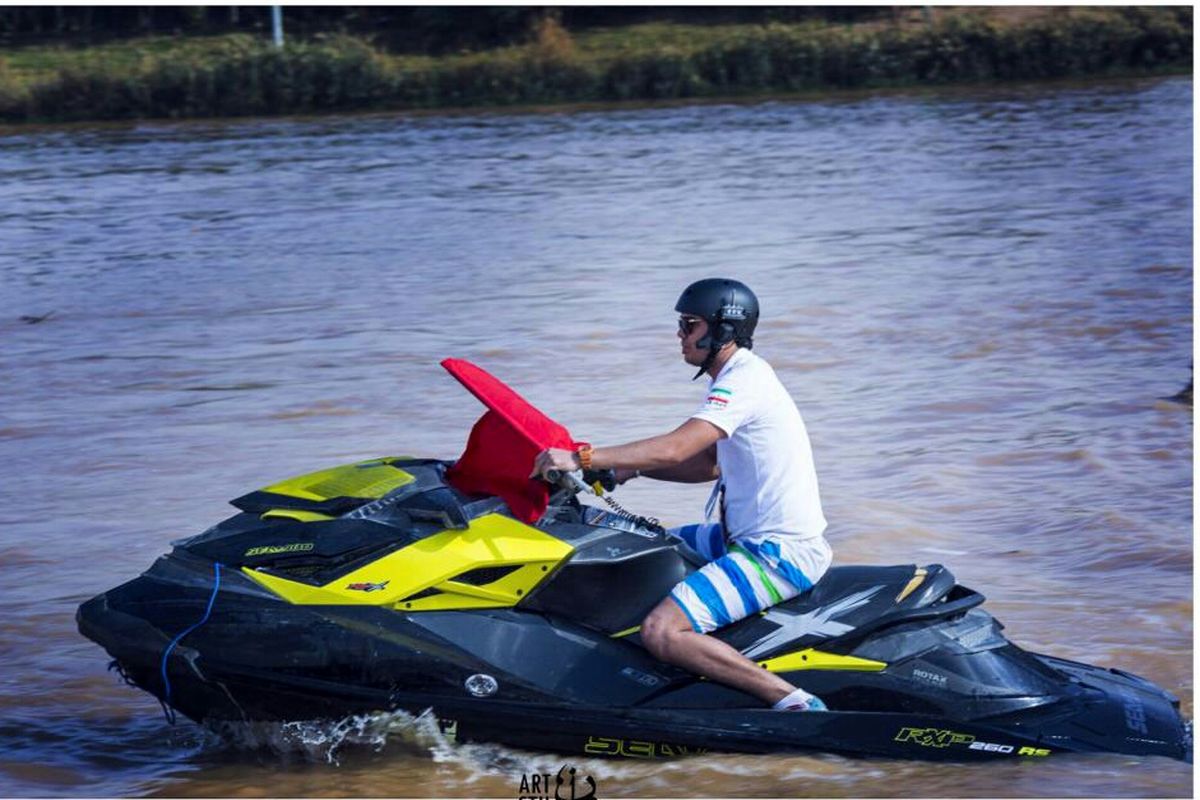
(239, 74)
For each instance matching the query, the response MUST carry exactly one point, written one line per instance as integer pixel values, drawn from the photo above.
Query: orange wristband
(584, 451)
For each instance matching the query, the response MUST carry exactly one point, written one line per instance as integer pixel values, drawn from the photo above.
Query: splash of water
(324, 740)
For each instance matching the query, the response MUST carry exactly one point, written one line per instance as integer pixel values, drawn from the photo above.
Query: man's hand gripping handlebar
(582, 480)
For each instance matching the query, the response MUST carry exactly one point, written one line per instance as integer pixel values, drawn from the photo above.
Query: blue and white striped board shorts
(747, 576)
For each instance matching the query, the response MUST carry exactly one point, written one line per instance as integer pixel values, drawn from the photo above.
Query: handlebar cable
(572, 480)
(652, 523)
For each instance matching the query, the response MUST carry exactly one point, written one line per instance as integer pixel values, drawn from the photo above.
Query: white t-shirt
(766, 461)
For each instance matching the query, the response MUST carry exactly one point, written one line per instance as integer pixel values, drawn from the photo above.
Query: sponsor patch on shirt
(718, 398)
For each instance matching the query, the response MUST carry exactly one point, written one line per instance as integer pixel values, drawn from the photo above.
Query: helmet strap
(705, 341)
(714, 347)
(708, 362)
(719, 334)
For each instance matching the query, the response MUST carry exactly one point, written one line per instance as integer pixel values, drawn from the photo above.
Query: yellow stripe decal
(296, 514)
(817, 659)
(433, 563)
(367, 479)
(916, 580)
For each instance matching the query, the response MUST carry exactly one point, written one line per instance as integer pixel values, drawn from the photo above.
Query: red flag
(503, 444)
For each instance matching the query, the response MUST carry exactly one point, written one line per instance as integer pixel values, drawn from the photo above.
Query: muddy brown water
(977, 298)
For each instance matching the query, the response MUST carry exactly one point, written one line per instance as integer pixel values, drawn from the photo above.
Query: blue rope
(166, 701)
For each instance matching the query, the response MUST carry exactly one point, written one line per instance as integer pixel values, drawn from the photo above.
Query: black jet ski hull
(1118, 712)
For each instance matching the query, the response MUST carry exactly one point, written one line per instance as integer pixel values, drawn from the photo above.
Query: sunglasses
(687, 325)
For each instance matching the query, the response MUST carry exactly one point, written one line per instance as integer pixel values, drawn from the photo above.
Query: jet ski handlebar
(582, 480)
(571, 481)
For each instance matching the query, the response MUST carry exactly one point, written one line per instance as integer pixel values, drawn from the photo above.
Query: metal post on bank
(277, 25)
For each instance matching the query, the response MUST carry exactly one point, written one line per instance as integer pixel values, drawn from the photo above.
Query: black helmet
(729, 308)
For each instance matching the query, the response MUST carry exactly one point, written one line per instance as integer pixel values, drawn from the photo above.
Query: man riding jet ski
(747, 436)
(514, 612)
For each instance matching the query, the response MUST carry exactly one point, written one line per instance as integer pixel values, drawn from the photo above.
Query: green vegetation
(242, 74)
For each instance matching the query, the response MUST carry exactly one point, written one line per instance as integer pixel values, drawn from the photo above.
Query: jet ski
(384, 585)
